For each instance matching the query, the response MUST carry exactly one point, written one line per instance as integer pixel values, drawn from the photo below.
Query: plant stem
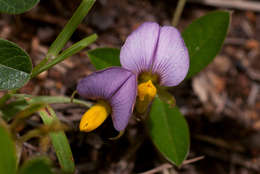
(70, 27)
(52, 99)
(31, 134)
(59, 140)
(27, 112)
(6, 97)
(66, 33)
(3, 123)
(43, 131)
(178, 12)
(67, 53)
(40, 65)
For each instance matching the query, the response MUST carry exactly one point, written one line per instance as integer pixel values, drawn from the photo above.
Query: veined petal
(171, 59)
(139, 48)
(103, 84)
(122, 103)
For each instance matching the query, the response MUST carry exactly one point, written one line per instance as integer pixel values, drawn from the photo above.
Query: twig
(235, 41)
(189, 161)
(168, 166)
(158, 169)
(236, 4)
(252, 97)
(178, 12)
(29, 146)
(253, 74)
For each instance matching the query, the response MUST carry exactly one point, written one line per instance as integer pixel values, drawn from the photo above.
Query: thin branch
(178, 12)
(193, 160)
(236, 4)
(158, 169)
(168, 166)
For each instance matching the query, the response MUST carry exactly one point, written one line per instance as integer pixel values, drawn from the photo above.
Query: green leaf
(59, 141)
(16, 6)
(104, 57)
(166, 96)
(11, 109)
(15, 66)
(75, 48)
(204, 38)
(7, 153)
(169, 131)
(37, 165)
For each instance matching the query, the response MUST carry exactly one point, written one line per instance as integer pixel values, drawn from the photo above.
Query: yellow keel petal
(146, 94)
(95, 116)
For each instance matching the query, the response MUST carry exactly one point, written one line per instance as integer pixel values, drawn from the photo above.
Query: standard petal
(122, 103)
(138, 51)
(171, 59)
(103, 84)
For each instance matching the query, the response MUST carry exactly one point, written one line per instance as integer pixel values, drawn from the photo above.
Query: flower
(158, 56)
(115, 90)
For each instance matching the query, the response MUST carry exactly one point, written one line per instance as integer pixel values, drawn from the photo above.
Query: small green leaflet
(104, 57)
(169, 131)
(204, 38)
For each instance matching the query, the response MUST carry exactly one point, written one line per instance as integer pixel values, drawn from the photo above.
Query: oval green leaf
(169, 131)
(37, 165)
(104, 57)
(15, 66)
(204, 38)
(7, 153)
(16, 6)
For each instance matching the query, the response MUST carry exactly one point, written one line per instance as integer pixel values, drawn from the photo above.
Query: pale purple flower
(160, 51)
(115, 85)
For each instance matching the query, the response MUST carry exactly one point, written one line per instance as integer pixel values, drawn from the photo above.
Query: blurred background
(221, 103)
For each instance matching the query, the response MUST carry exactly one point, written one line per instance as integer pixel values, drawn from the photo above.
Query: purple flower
(115, 90)
(158, 55)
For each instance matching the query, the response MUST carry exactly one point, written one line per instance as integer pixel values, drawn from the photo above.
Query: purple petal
(138, 51)
(123, 103)
(171, 59)
(103, 84)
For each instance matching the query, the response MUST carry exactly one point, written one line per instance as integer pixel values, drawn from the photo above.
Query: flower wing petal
(122, 103)
(171, 59)
(138, 51)
(102, 84)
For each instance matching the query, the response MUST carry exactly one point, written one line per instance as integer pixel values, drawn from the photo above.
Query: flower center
(146, 93)
(95, 116)
(146, 76)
